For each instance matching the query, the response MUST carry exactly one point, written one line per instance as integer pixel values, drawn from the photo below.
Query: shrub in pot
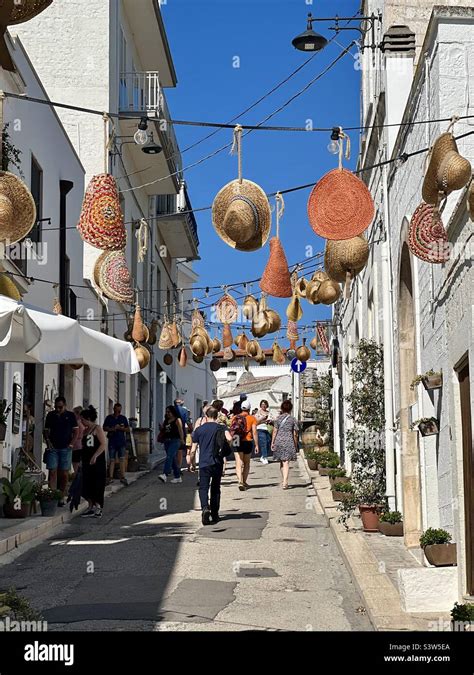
(341, 490)
(462, 618)
(330, 461)
(391, 524)
(437, 547)
(370, 500)
(312, 459)
(19, 493)
(338, 475)
(48, 500)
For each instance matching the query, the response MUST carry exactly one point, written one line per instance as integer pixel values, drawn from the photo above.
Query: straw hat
(252, 348)
(143, 356)
(227, 309)
(138, 329)
(198, 345)
(27, 10)
(294, 311)
(8, 288)
(340, 206)
(274, 319)
(101, 220)
(349, 255)
(300, 287)
(227, 338)
(312, 292)
(112, 276)
(17, 208)
(166, 339)
(216, 345)
(447, 170)
(276, 276)
(241, 215)
(250, 307)
(292, 330)
(427, 238)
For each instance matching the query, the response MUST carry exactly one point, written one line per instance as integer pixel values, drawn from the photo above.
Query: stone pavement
(271, 563)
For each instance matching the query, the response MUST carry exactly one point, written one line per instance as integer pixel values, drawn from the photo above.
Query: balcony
(177, 227)
(141, 95)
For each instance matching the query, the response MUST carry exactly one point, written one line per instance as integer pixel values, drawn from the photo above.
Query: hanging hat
(427, 238)
(227, 309)
(470, 200)
(101, 221)
(241, 215)
(13, 12)
(447, 170)
(17, 209)
(292, 330)
(349, 255)
(166, 340)
(112, 276)
(250, 307)
(276, 277)
(8, 288)
(340, 206)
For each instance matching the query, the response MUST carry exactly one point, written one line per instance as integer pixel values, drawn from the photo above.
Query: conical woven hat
(101, 221)
(427, 238)
(276, 277)
(340, 206)
(8, 288)
(112, 276)
(17, 209)
(241, 215)
(447, 170)
(166, 339)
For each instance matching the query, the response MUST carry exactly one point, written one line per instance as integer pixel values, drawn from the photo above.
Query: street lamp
(309, 41)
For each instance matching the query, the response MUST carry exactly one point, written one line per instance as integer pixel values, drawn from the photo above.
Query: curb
(27, 533)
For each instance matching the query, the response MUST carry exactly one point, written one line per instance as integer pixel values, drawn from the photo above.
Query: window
(37, 192)
(123, 69)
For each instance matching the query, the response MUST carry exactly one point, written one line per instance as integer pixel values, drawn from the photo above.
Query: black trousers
(210, 476)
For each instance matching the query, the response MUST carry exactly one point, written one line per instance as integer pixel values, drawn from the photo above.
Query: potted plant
(19, 493)
(427, 426)
(340, 490)
(326, 465)
(338, 475)
(430, 380)
(437, 547)
(370, 499)
(462, 617)
(5, 409)
(48, 500)
(312, 459)
(391, 524)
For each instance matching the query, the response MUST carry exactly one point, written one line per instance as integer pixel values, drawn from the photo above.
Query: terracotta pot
(312, 464)
(370, 517)
(441, 555)
(324, 471)
(9, 511)
(391, 529)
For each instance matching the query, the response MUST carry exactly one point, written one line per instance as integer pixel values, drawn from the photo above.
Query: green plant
(392, 517)
(20, 487)
(11, 154)
(343, 487)
(323, 409)
(46, 494)
(20, 608)
(463, 612)
(337, 473)
(331, 463)
(419, 378)
(434, 536)
(5, 410)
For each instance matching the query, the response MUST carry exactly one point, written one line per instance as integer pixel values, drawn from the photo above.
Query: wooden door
(468, 466)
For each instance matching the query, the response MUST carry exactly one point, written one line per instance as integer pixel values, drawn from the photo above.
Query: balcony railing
(167, 204)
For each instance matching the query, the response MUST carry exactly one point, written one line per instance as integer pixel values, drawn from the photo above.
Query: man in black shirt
(60, 433)
(116, 425)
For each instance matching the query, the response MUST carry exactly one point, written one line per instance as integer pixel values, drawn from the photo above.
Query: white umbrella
(32, 335)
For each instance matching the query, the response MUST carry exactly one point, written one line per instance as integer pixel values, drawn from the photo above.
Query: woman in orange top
(246, 445)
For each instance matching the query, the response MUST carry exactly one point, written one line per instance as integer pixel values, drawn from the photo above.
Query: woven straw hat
(340, 206)
(312, 292)
(17, 208)
(274, 319)
(470, 201)
(427, 238)
(250, 307)
(227, 309)
(112, 276)
(349, 255)
(143, 356)
(329, 292)
(198, 345)
(101, 220)
(166, 339)
(241, 215)
(8, 288)
(300, 287)
(447, 170)
(276, 277)
(27, 10)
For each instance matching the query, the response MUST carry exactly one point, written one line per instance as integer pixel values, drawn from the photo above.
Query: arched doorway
(410, 458)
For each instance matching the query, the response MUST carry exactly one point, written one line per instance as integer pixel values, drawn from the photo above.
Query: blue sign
(298, 366)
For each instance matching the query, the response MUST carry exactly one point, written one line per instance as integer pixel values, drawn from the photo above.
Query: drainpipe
(390, 464)
(65, 186)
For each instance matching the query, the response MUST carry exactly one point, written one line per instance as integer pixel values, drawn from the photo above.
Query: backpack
(222, 447)
(238, 427)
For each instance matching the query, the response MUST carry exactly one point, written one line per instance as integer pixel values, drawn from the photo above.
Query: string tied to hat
(280, 208)
(237, 148)
(454, 120)
(344, 141)
(142, 237)
(108, 139)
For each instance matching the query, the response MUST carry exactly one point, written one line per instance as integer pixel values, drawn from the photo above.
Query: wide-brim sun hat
(447, 169)
(112, 276)
(340, 206)
(427, 237)
(241, 215)
(17, 209)
(8, 288)
(101, 221)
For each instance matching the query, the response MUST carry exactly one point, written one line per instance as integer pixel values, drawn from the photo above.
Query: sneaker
(176, 480)
(206, 516)
(88, 513)
(124, 481)
(246, 485)
(215, 518)
(162, 477)
(263, 460)
(98, 513)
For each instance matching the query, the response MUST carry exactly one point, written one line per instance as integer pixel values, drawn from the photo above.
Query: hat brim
(443, 144)
(24, 208)
(253, 192)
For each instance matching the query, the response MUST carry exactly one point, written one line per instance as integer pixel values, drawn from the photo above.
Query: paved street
(271, 563)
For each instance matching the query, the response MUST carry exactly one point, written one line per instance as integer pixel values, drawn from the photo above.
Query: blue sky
(205, 37)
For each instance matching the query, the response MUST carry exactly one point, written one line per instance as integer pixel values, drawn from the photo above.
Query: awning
(32, 335)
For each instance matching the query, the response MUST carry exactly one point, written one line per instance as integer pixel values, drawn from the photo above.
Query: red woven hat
(101, 221)
(112, 276)
(276, 277)
(340, 206)
(427, 238)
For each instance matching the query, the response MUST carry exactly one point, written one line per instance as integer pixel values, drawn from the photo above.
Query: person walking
(264, 436)
(60, 433)
(185, 417)
(192, 456)
(172, 435)
(214, 442)
(77, 445)
(243, 429)
(94, 465)
(116, 426)
(221, 419)
(285, 440)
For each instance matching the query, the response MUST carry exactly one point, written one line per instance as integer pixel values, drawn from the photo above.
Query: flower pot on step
(48, 508)
(391, 529)
(9, 510)
(441, 555)
(338, 496)
(324, 471)
(312, 464)
(369, 514)
(341, 479)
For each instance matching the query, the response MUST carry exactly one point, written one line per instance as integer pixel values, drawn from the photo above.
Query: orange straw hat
(101, 220)
(276, 277)
(112, 276)
(340, 205)
(427, 238)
